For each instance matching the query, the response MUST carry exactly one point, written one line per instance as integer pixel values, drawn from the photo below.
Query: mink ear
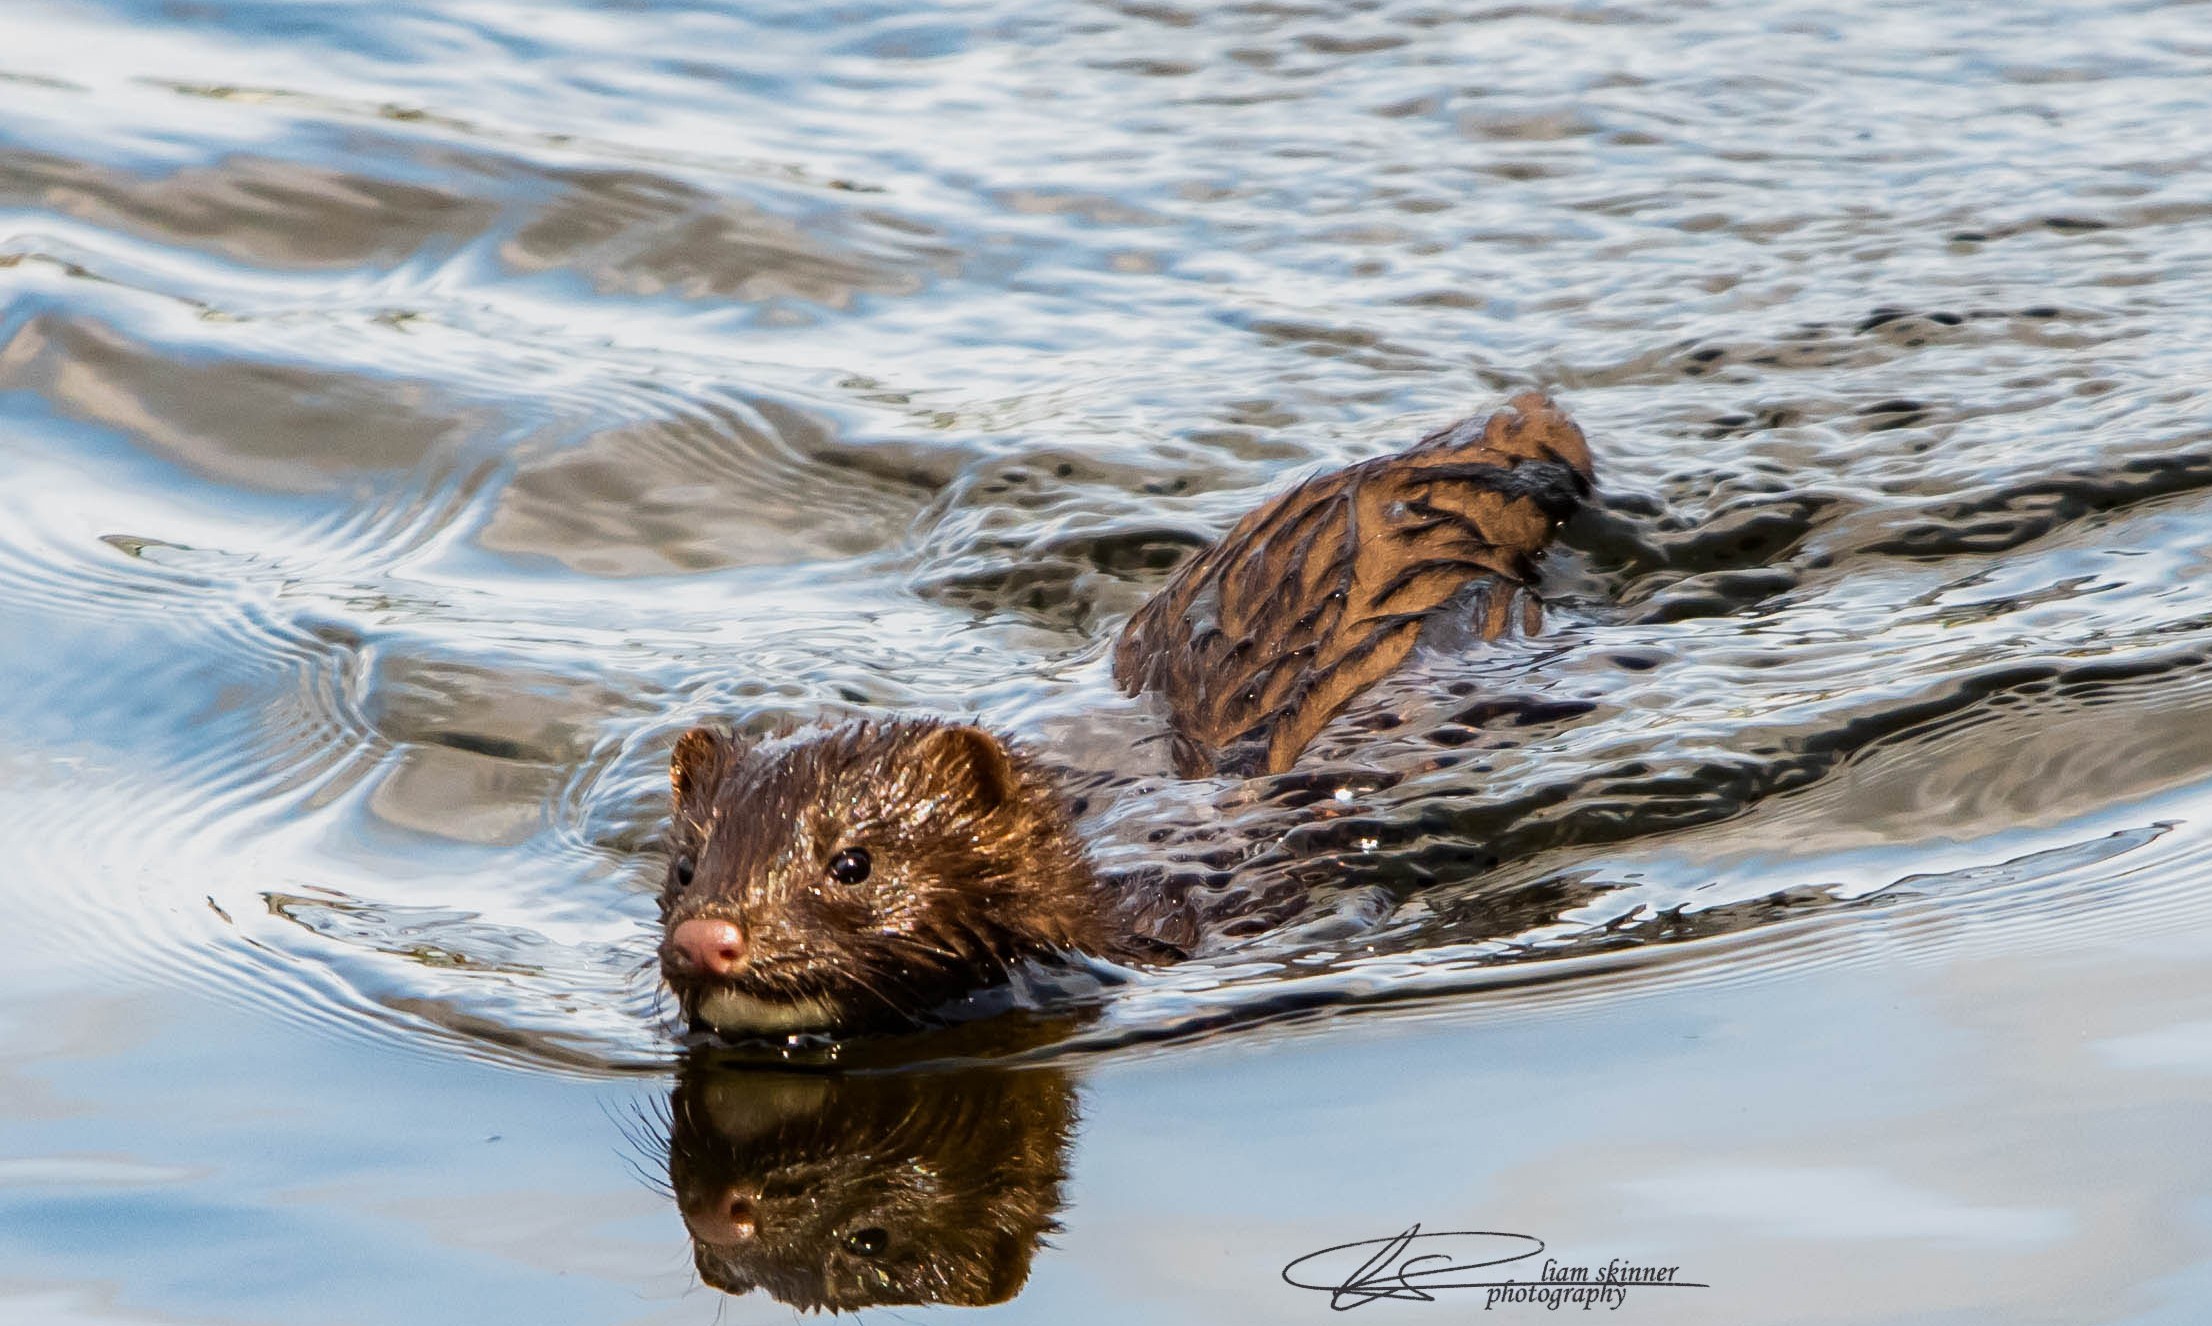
(695, 767)
(1008, 1266)
(973, 760)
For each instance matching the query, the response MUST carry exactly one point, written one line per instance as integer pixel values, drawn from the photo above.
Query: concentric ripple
(402, 449)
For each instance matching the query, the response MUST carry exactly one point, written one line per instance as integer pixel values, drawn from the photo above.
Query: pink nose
(725, 1220)
(707, 945)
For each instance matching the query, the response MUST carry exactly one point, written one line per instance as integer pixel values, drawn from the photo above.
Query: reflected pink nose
(725, 1219)
(708, 945)
(744, 1222)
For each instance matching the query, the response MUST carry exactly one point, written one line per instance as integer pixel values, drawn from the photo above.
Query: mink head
(855, 878)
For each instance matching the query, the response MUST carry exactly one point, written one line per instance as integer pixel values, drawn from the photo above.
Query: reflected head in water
(842, 1192)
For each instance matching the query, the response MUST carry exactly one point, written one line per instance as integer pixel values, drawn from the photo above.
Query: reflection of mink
(864, 874)
(853, 1192)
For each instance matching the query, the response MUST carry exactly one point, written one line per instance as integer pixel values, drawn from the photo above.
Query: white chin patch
(733, 1012)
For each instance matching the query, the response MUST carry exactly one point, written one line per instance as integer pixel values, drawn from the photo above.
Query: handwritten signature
(1415, 1263)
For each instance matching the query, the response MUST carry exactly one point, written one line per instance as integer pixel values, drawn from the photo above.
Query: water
(414, 415)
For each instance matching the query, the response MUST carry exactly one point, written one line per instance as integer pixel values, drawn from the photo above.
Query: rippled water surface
(413, 415)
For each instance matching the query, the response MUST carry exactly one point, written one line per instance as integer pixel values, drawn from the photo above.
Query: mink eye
(849, 866)
(869, 1242)
(684, 870)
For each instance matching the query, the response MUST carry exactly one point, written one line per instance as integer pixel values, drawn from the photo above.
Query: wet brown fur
(975, 865)
(1254, 645)
(1260, 640)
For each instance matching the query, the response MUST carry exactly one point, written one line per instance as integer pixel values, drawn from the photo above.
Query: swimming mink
(856, 877)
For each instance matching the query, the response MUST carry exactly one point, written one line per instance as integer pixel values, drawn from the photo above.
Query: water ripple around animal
(400, 459)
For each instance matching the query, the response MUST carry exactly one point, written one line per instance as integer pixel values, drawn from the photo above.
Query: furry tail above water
(1257, 642)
